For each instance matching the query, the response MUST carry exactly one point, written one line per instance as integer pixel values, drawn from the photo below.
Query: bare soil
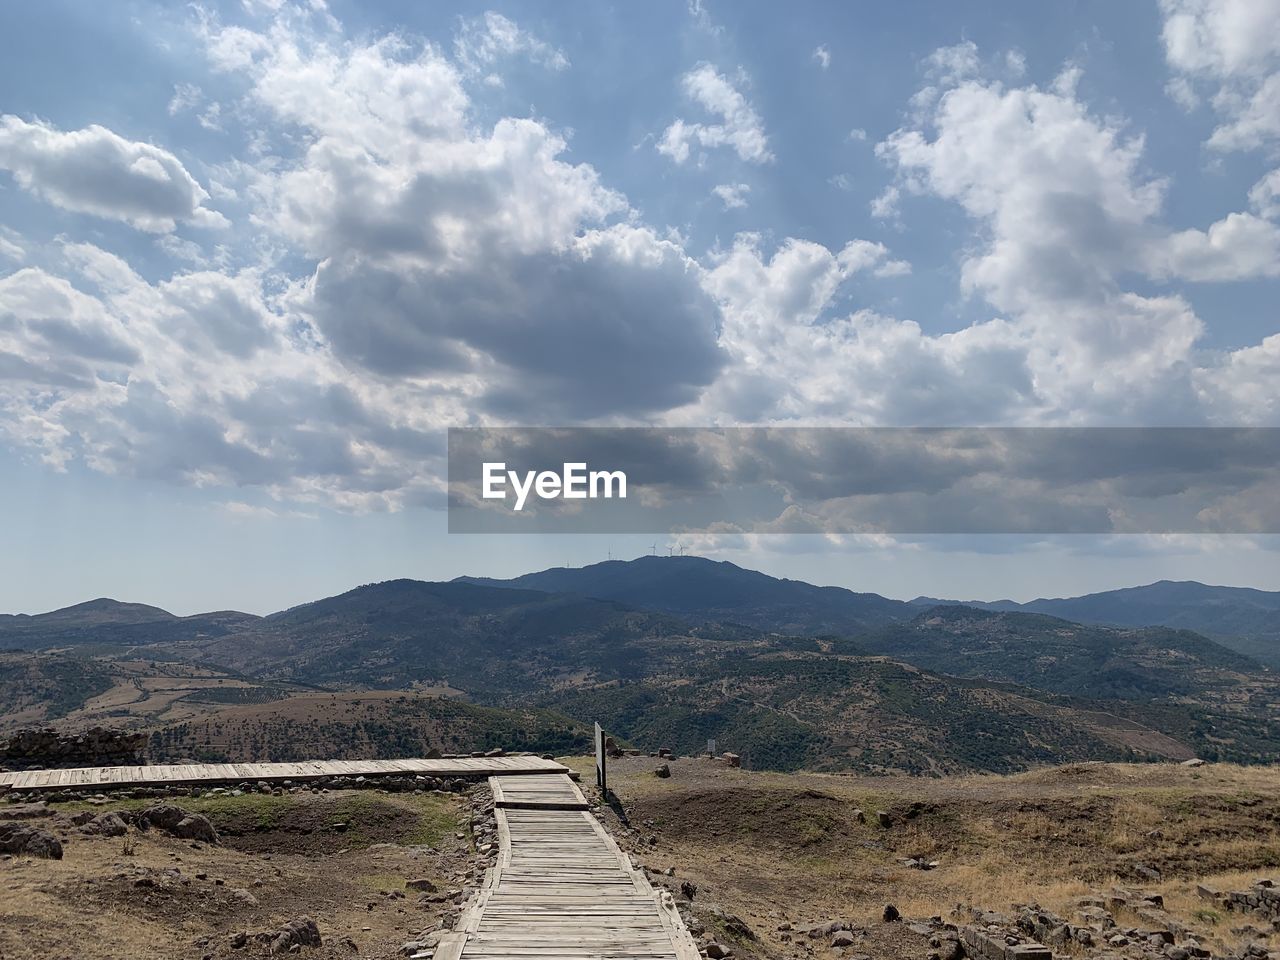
(150, 895)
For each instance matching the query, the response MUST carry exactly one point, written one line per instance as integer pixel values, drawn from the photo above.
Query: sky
(256, 257)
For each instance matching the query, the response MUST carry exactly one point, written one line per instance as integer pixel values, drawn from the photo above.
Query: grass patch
(437, 820)
(380, 882)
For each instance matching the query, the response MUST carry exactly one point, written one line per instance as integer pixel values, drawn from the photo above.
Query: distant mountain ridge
(673, 650)
(1243, 618)
(700, 589)
(110, 623)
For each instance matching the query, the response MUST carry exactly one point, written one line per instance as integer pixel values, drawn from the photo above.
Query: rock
(732, 759)
(883, 818)
(29, 841)
(1193, 762)
(239, 940)
(920, 863)
(26, 811)
(718, 951)
(842, 939)
(107, 825)
(196, 826)
(859, 816)
(663, 771)
(174, 820)
(688, 889)
(891, 913)
(422, 884)
(302, 932)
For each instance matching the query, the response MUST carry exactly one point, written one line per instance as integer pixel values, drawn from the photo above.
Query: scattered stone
(421, 884)
(883, 818)
(174, 820)
(29, 841)
(26, 811)
(891, 913)
(663, 771)
(1193, 762)
(106, 825)
(302, 932)
(920, 863)
(688, 889)
(718, 951)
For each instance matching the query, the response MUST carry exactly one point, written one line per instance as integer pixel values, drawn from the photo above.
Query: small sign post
(711, 748)
(601, 782)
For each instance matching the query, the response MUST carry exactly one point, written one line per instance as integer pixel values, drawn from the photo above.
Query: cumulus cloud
(740, 128)
(732, 195)
(1230, 51)
(96, 171)
(457, 273)
(481, 257)
(413, 266)
(1067, 210)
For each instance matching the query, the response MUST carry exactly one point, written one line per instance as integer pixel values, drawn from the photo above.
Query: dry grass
(1048, 836)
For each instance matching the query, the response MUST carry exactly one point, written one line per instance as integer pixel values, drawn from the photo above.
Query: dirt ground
(768, 853)
(780, 850)
(341, 859)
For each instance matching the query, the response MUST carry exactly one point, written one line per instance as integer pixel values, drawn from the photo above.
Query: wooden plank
(229, 773)
(560, 888)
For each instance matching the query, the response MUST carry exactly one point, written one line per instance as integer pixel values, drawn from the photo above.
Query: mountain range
(1244, 619)
(671, 651)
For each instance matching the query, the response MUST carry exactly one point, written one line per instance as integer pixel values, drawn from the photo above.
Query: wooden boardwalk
(175, 774)
(561, 889)
(550, 791)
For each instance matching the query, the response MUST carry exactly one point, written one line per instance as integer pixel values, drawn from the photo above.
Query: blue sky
(256, 257)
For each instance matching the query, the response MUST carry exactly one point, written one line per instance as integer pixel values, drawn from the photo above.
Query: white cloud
(11, 246)
(211, 117)
(791, 362)
(1065, 209)
(1264, 196)
(1231, 48)
(484, 40)
(732, 195)
(822, 56)
(885, 205)
(414, 267)
(185, 96)
(98, 172)
(740, 127)
(1238, 247)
